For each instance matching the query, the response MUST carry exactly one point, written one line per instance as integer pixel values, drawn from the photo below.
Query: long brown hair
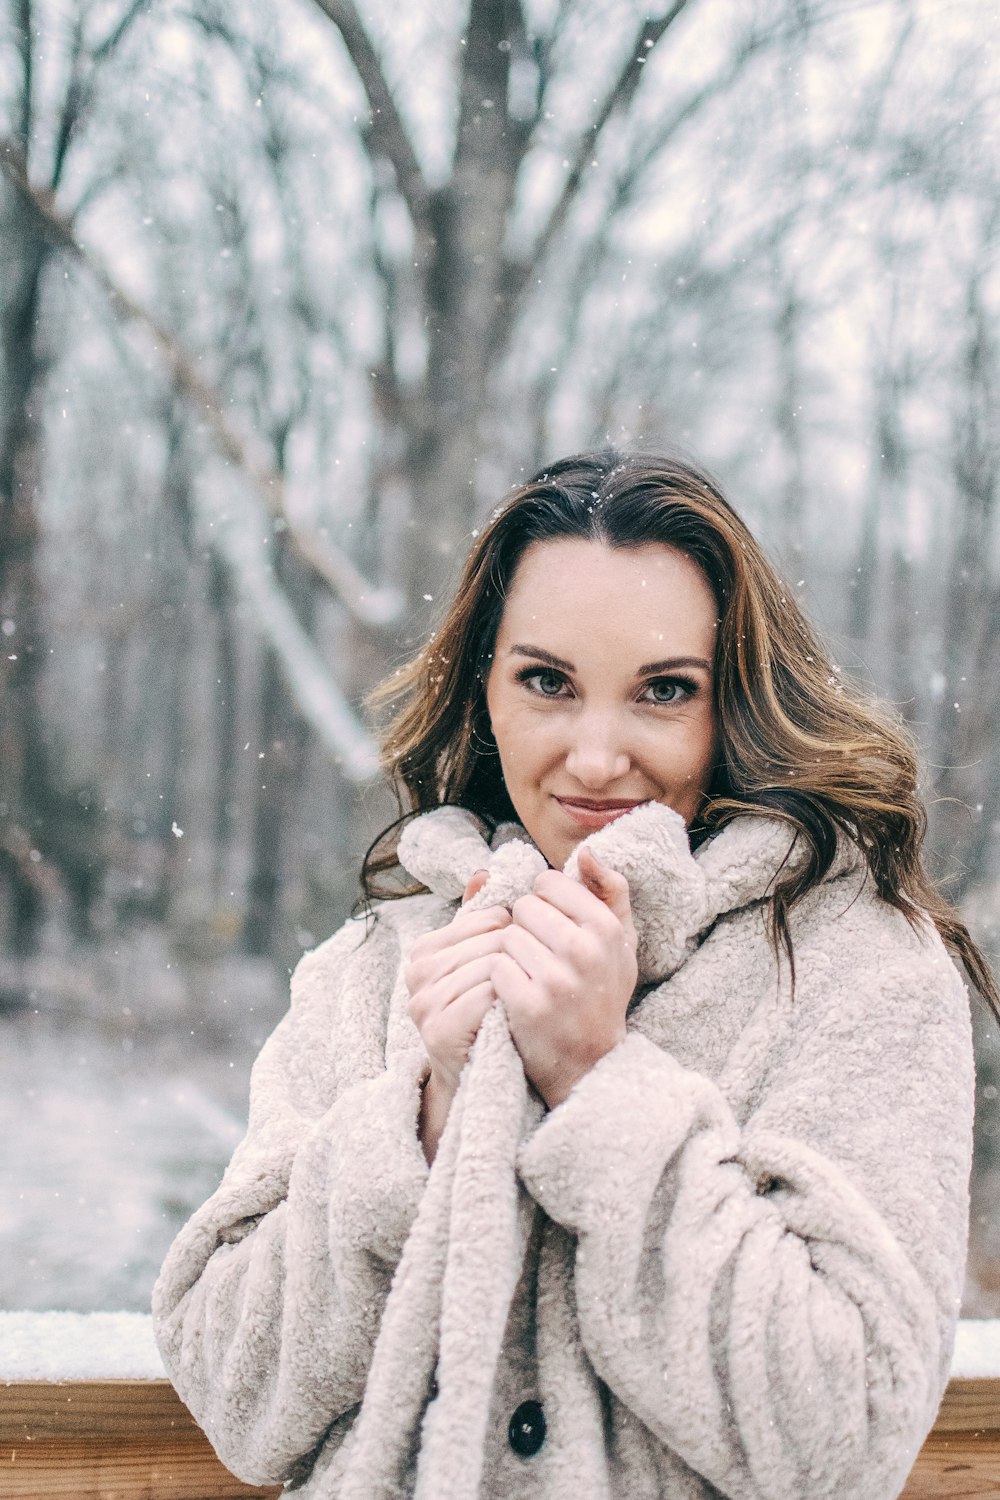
(797, 741)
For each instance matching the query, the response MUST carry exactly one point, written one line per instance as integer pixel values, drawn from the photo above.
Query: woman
(668, 1009)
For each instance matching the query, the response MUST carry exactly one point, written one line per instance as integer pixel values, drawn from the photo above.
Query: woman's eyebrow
(540, 655)
(670, 664)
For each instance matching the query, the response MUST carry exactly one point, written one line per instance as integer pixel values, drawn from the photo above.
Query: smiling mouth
(590, 814)
(610, 804)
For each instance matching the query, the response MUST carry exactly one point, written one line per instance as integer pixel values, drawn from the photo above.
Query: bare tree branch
(80, 90)
(618, 97)
(118, 32)
(368, 603)
(387, 133)
(73, 105)
(23, 30)
(658, 139)
(313, 689)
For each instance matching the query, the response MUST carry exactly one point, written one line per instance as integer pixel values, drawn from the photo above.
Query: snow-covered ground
(106, 1151)
(120, 1346)
(115, 1128)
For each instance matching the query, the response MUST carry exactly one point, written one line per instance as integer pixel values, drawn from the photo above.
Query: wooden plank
(108, 1440)
(93, 1409)
(135, 1440)
(970, 1406)
(77, 1470)
(956, 1467)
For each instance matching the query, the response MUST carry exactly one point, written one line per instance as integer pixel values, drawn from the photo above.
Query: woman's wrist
(436, 1098)
(561, 1086)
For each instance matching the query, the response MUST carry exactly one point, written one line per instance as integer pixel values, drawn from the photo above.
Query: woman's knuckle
(582, 951)
(561, 987)
(416, 1008)
(607, 925)
(523, 907)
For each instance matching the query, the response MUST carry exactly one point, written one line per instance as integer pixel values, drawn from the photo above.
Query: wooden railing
(107, 1440)
(130, 1438)
(961, 1457)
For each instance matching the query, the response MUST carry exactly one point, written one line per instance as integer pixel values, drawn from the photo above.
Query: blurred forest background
(289, 296)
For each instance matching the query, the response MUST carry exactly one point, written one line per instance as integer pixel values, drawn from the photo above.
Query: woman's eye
(549, 684)
(666, 690)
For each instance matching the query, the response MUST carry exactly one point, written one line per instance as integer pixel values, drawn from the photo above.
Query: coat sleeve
(269, 1301)
(776, 1301)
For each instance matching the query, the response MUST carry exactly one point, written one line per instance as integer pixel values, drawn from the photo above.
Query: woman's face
(601, 689)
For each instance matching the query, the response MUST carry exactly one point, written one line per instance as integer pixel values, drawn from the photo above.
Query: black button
(435, 1388)
(526, 1432)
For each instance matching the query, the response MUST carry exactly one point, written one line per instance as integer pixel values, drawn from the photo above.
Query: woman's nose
(597, 755)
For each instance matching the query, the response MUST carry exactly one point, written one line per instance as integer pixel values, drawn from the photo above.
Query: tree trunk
(970, 700)
(468, 309)
(23, 753)
(225, 698)
(281, 755)
(788, 420)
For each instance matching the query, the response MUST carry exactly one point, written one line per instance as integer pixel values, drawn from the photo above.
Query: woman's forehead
(579, 592)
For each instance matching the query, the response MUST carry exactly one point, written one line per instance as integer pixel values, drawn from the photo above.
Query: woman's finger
(430, 967)
(608, 886)
(464, 924)
(428, 998)
(581, 903)
(530, 953)
(475, 885)
(469, 1010)
(449, 1034)
(512, 985)
(458, 983)
(558, 931)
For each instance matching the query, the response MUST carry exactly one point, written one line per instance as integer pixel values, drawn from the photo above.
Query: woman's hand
(449, 977)
(565, 972)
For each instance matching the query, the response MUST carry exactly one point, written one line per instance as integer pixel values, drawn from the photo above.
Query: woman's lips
(593, 814)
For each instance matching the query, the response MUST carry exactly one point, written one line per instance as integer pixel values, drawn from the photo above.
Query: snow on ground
(977, 1349)
(78, 1346)
(120, 1346)
(110, 1142)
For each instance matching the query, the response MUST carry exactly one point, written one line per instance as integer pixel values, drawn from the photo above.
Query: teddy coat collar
(468, 1243)
(676, 896)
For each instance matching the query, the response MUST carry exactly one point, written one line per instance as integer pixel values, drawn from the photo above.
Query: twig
(387, 133)
(618, 97)
(367, 602)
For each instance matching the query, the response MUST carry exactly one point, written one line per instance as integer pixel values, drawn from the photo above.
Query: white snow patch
(78, 1346)
(120, 1346)
(977, 1349)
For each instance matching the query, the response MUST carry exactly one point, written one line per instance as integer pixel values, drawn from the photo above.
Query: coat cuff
(376, 1149)
(591, 1158)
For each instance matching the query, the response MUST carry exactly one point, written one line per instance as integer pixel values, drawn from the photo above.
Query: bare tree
(968, 723)
(33, 817)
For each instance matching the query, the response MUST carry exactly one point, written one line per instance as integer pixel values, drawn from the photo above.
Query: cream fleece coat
(729, 1263)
